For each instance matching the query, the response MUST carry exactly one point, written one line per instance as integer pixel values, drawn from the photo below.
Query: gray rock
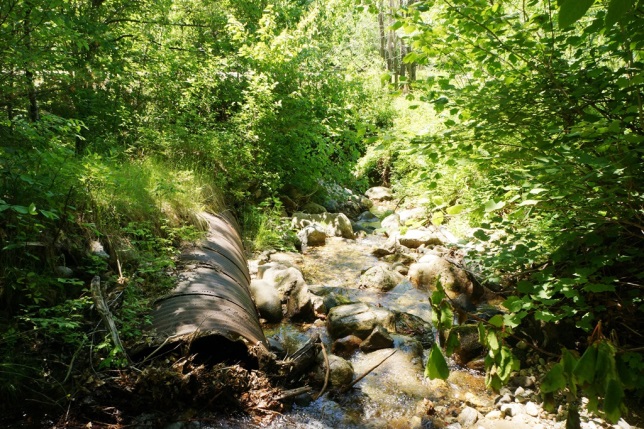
(97, 249)
(267, 300)
(64, 271)
(358, 319)
(391, 224)
(341, 371)
(379, 193)
(334, 224)
(312, 235)
(381, 278)
(298, 305)
(468, 417)
(470, 347)
(378, 339)
(414, 238)
(431, 268)
(503, 399)
(284, 279)
(367, 216)
(313, 208)
(408, 345)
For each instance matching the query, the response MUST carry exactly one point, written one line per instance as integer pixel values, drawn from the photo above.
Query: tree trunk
(34, 114)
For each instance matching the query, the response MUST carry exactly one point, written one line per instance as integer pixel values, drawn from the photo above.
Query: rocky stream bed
(363, 289)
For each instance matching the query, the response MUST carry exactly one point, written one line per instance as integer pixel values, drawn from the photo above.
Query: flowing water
(395, 395)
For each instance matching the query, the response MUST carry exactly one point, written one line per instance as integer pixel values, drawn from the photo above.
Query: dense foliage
(121, 120)
(545, 103)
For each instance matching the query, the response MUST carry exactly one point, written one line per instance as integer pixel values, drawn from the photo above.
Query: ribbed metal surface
(212, 295)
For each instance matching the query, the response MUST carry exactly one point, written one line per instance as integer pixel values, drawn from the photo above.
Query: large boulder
(414, 238)
(334, 224)
(299, 306)
(358, 319)
(391, 224)
(455, 280)
(267, 300)
(312, 235)
(381, 278)
(292, 289)
(284, 278)
(313, 208)
(379, 193)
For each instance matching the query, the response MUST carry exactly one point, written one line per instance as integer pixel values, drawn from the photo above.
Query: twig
(327, 374)
(71, 364)
(369, 371)
(293, 392)
(104, 311)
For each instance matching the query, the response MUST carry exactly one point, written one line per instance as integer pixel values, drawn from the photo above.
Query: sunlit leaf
(436, 365)
(455, 209)
(491, 205)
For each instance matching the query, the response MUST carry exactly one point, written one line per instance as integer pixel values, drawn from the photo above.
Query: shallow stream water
(395, 395)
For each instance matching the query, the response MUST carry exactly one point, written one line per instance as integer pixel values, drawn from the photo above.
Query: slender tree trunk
(34, 113)
(381, 27)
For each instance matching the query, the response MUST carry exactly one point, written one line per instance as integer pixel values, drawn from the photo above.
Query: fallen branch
(367, 372)
(327, 374)
(106, 315)
(294, 392)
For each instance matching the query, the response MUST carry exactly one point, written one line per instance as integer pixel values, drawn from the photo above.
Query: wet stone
(378, 339)
(358, 319)
(346, 346)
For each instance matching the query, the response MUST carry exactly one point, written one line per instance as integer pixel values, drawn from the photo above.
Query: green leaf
(438, 218)
(32, 209)
(496, 320)
(491, 206)
(455, 209)
(584, 371)
(571, 11)
(492, 340)
(436, 365)
(613, 400)
(452, 342)
(617, 9)
(554, 380)
(598, 287)
(528, 202)
(481, 235)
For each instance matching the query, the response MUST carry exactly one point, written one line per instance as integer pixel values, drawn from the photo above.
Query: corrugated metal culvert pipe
(211, 308)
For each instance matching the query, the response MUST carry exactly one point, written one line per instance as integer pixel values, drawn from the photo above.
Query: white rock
(468, 417)
(512, 409)
(532, 409)
(494, 415)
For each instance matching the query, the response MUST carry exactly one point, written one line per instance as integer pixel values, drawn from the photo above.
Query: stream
(395, 395)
